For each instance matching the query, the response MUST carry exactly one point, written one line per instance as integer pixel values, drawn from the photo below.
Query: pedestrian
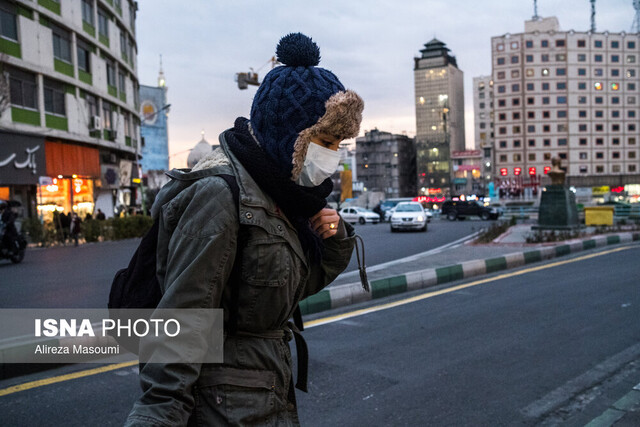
(65, 222)
(75, 227)
(292, 246)
(100, 215)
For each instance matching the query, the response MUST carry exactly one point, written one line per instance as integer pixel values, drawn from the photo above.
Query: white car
(359, 215)
(409, 216)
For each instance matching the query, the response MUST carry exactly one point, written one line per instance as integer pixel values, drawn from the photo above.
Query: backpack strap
(234, 278)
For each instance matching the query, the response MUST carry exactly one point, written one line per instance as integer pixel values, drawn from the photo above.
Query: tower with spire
(154, 111)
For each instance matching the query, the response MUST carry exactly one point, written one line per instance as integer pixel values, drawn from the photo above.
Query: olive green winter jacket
(199, 223)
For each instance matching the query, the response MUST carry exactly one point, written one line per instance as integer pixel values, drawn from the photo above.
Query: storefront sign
(125, 173)
(110, 176)
(600, 190)
(466, 154)
(22, 159)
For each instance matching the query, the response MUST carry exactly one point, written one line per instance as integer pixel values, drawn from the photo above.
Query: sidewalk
(455, 262)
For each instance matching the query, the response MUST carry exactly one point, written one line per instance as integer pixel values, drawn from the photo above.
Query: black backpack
(137, 285)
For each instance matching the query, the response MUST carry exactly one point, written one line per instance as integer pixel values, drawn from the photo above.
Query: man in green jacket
(285, 242)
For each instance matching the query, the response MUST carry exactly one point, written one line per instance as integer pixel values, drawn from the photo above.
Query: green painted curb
(316, 303)
(495, 264)
(629, 401)
(588, 244)
(532, 256)
(384, 287)
(449, 274)
(563, 250)
(607, 418)
(611, 240)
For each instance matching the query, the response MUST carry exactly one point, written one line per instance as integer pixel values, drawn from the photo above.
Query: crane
(251, 78)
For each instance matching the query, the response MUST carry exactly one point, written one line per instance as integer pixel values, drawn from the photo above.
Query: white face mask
(319, 164)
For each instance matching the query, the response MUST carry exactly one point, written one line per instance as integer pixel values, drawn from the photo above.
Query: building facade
(483, 125)
(566, 94)
(439, 98)
(385, 163)
(72, 118)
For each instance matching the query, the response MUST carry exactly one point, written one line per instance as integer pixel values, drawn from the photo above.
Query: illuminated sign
(532, 171)
(516, 171)
(617, 189)
(503, 171)
(547, 169)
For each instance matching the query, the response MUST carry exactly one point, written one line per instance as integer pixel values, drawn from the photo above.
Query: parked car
(409, 216)
(359, 215)
(460, 209)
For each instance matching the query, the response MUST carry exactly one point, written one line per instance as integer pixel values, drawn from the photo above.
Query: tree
(4, 84)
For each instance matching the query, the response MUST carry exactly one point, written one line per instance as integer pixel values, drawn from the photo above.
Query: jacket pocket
(231, 396)
(266, 262)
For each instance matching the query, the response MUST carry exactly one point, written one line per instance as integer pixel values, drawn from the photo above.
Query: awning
(67, 159)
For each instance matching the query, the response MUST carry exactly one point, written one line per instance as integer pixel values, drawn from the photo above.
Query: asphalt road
(80, 277)
(542, 347)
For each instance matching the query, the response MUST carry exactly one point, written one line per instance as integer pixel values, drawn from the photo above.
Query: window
(544, 43)
(501, 75)
(516, 129)
(597, 58)
(503, 144)
(582, 57)
(92, 105)
(631, 127)
(515, 74)
(631, 100)
(615, 113)
(500, 47)
(615, 141)
(132, 20)
(582, 71)
(503, 158)
(532, 143)
(515, 59)
(502, 89)
(530, 86)
(615, 72)
(544, 57)
(121, 82)
(107, 115)
(103, 23)
(514, 45)
(631, 141)
(583, 156)
(545, 71)
(126, 118)
(561, 57)
(531, 128)
(582, 100)
(597, 86)
(545, 86)
(598, 72)
(615, 58)
(111, 72)
(529, 72)
(582, 86)
(597, 43)
(87, 12)
(561, 86)
(615, 100)
(561, 99)
(615, 155)
(582, 141)
(632, 168)
(582, 43)
(23, 89)
(599, 141)
(8, 22)
(517, 157)
(560, 43)
(528, 58)
(599, 127)
(599, 114)
(547, 156)
(598, 100)
(501, 60)
(516, 143)
(631, 86)
(562, 127)
(583, 169)
(546, 128)
(528, 43)
(546, 143)
(562, 114)
(530, 101)
(599, 155)
(546, 114)
(631, 59)
(502, 103)
(502, 130)
(631, 154)
(502, 117)
(599, 169)
(515, 87)
(482, 105)
(61, 43)
(531, 114)
(615, 44)
(516, 116)
(582, 113)
(631, 45)
(546, 100)
(515, 102)
(54, 97)
(562, 141)
(123, 44)
(631, 114)
(532, 157)
(84, 56)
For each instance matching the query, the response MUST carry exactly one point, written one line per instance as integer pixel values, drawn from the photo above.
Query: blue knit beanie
(292, 98)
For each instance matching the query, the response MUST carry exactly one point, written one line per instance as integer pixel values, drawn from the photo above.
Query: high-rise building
(439, 98)
(483, 124)
(567, 94)
(154, 128)
(69, 131)
(386, 163)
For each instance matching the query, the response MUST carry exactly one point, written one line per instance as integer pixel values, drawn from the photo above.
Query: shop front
(69, 184)
(22, 161)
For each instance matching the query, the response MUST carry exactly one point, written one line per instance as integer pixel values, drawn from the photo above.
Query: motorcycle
(12, 243)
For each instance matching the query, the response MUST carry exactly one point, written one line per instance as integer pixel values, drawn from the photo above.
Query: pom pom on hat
(296, 49)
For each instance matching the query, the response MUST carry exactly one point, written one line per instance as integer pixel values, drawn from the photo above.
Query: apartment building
(70, 130)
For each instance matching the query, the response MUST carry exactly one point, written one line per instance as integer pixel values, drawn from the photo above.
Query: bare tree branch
(4, 84)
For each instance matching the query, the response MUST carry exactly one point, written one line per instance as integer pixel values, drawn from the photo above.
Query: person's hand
(326, 223)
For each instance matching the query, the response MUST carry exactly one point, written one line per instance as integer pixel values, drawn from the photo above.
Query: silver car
(359, 215)
(409, 216)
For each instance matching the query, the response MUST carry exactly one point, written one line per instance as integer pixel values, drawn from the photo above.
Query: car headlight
(420, 218)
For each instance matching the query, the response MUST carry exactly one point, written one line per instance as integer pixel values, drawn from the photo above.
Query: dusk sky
(368, 44)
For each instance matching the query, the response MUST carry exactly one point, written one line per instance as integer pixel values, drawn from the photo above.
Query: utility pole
(635, 27)
(535, 11)
(593, 16)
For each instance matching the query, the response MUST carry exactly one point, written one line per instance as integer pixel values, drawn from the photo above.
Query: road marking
(361, 312)
(60, 378)
(317, 322)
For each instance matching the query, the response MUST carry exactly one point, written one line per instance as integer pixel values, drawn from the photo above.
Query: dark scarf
(298, 203)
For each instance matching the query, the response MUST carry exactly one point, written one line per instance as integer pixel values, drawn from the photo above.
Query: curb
(624, 409)
(352, 293)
